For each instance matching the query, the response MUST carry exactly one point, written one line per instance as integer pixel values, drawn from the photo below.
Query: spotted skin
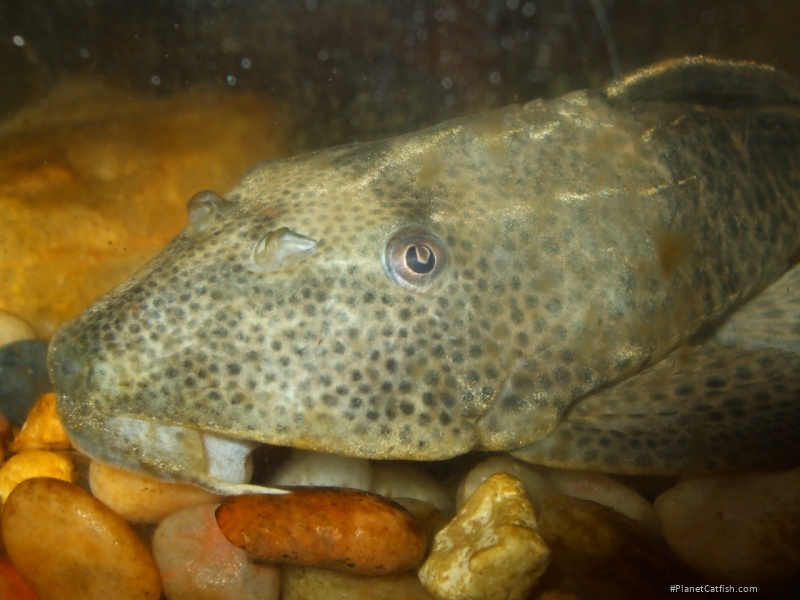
(703, 409)
(586, 237)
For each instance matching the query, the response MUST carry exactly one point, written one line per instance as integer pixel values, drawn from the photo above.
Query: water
(357, 70)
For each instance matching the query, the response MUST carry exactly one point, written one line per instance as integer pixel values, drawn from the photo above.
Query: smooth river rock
(70, 546)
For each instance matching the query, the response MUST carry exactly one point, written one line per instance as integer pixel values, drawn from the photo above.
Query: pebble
(604, 490)
(404, 480)
(305, 467)
(142, 499)
(69, 545)
(42, 429)
(737, 528)
(491, 549)
(430, 518)
(14, 328)
(308, 583)
(197, 562)
(12, 585)
(23, 378)
(334, 528)
(34, 463)
(541, 482)
(600, 554)
(536, 486)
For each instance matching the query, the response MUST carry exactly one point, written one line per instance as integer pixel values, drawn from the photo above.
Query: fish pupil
(414, 259)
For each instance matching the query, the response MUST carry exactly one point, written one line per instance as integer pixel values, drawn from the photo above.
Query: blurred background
(113, 113)
(358, 69)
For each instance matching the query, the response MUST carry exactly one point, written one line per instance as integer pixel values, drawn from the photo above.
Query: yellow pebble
(141, 499)
(34, 463)
(42, 429)
(70, 546)
(14, 328)
(491, 549)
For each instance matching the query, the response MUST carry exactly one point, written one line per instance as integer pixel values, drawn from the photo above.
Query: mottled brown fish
(550, 280)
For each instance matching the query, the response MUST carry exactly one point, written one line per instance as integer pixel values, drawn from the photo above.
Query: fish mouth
(216, 462)
(210, 459)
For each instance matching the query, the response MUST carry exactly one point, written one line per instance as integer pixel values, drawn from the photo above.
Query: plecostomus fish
(602, 281)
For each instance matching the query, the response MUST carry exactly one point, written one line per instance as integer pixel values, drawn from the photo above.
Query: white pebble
(197, 562)
(14, 328)
(305, 467)
(402, 480)
(604, 490)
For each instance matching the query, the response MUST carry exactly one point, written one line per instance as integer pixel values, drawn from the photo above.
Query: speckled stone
(339, 529)
(490, 550)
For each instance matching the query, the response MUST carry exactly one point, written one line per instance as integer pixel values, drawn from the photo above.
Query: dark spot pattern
(585, 241)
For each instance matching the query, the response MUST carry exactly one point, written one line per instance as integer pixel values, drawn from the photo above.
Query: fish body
(487, 283)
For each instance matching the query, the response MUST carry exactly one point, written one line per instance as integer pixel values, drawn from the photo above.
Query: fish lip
(174, 452)
(177, 453)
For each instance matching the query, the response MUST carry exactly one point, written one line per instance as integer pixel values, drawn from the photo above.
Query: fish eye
(414, 258)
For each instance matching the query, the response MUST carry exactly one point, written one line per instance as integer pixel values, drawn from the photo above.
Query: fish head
(461, 287)
(355, 301)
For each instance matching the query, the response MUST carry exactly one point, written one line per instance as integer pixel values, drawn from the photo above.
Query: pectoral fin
(770, 320)
(703, 408)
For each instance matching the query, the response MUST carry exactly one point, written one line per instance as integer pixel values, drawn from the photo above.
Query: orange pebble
(333, 528)
(12, 585)
(42, 429)
(68, 545)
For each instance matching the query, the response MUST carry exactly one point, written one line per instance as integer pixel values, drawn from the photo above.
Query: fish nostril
(68, 368)
(64, 368)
